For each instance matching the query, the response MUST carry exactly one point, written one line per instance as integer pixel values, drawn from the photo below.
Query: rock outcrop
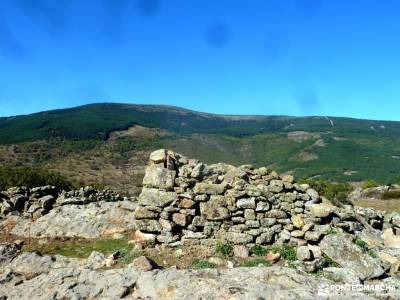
(46, 212)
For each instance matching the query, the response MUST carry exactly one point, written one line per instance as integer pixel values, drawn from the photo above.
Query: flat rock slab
(348, 255)
(84, 221)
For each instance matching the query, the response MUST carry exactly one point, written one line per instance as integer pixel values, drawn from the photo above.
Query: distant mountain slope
(98, 120)
(107, 142)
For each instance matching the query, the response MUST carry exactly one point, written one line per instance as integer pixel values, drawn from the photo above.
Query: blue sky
(292, 57)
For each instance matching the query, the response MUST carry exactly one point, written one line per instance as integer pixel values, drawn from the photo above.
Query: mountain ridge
(106, 142)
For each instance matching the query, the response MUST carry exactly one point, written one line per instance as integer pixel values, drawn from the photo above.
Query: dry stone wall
(186, 201)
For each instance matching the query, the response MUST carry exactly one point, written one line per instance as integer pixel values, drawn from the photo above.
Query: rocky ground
(32, 276)
(87, 244)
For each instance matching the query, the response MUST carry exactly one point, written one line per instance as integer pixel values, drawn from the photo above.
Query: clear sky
(292, 57)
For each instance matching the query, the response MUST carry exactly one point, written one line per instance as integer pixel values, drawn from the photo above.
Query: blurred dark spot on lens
(309, 7)
(276, 47)
(10, 46)
(217, 35)
(49, 15)
(308, 102)
(148, 7)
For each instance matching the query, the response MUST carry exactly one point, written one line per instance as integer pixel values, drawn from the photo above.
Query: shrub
(32, 177)
(256, 262)
(258, 250)
(360, 243)
(224, 249)
(201, 264)
(331, 231)
(335, 192)
(369, 184)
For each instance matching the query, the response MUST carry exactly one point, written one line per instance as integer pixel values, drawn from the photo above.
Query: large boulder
(159, 177)
(92, 220)
(322, 210)
(347, 254)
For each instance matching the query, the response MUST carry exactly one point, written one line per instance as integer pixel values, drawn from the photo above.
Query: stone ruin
(39, 201)
(184, 201)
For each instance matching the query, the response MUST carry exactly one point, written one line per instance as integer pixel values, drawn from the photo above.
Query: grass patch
(372, 254)
(360, 243)
(201, 264)
(287, 252)
(330, 262)
(258, 250)
(331, 231)
(369, 184)
(224, 249)
(83, 248)
(256, 262)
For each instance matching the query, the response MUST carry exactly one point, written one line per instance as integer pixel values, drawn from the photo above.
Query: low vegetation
(330, 262)
(335, 192)
(224, 249)
(360, 243)
(255, 262)
(350, 151)
(201, 264)
(32, 177)
(287, 252)
(369, 184)
(83, 248)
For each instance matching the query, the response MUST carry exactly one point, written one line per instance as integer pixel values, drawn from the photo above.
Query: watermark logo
(334, 289)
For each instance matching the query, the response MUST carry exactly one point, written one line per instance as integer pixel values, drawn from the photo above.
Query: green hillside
(107, 142)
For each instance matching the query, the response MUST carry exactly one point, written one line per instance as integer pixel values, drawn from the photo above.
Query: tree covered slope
(108, 139)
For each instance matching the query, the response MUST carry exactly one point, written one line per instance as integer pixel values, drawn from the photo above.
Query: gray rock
(148, 225)
(240, 251)
(249, 214)
(262, 206)
(158, 156)
(47, 202)
(92, 220)
(7, 252)
(268, 222)
(303, 253)
(209, 188)
(75, 281)
(159, 177)
(214, 208)
(343, 275)
(246, 203)
(265, 237)
(238, 238)
(142, 212)
(313, 236)
(154, 197)
(142, 263)
(348, 255)
(180, 219)
(312, 193)
(198, 171)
